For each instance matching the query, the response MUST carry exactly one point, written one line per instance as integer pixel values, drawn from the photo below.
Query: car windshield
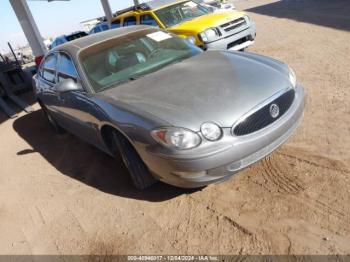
(76, 36)
(121, 59)
(181, 12)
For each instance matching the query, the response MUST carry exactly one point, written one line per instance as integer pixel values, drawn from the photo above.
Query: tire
(53, 124)
(138, 170)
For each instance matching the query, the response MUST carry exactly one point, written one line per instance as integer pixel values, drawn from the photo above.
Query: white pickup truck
(219, 4)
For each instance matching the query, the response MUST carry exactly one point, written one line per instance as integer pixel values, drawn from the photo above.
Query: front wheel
(138, 170)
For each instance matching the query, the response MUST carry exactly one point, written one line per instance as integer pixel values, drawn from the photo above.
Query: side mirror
(68, 85)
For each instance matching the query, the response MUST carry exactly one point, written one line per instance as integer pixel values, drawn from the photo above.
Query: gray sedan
(169, 110)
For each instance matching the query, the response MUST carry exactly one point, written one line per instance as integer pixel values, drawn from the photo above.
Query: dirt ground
(58, 195)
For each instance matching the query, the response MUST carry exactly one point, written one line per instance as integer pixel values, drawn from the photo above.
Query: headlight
(176, 138)
(210, 35)
(292, 77)
(211, 131)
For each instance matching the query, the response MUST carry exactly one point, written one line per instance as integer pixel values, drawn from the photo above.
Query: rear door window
(49, 68)
(66, 68)
(148, 20)
(75, 36)
(115, 24)
(131, 20)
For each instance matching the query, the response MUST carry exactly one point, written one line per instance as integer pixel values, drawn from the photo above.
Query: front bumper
(224, 163)
(236, 41)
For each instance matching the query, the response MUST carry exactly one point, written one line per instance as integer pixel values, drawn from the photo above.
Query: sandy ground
(58, 195)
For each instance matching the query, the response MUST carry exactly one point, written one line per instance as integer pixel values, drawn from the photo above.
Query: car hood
(217, 86)
(204, 22)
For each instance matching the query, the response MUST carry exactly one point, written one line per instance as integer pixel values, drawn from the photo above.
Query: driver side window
(66, 68)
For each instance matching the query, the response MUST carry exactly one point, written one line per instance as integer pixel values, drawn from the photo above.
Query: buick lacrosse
(168, 110)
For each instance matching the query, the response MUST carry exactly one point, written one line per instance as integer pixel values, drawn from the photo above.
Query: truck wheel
(139, 172)
(54, 125)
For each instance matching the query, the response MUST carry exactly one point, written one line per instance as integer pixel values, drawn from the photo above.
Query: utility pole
(136, 2)
(108, 11)
(29, 26)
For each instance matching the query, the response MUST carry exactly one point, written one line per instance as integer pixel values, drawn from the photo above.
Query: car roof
(66, 36)
(101, 23)
(74, 46)
(59, 37)
(151, 5)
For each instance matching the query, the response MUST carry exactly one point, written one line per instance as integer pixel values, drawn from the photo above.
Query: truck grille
(262, 118)
(232, 25)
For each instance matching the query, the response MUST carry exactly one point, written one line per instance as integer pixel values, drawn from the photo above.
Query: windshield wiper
(126, 80)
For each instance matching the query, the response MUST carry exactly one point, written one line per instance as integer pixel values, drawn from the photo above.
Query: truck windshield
(181, 12)
(126, 58)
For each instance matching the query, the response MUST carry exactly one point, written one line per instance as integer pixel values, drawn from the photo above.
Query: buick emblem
(274, 111)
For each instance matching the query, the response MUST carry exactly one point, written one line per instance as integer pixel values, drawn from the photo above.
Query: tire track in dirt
(320, 204)
(277, 171)
(231, 221)
(313, 163)
(278, 174)
(321, 207)
(313, 159)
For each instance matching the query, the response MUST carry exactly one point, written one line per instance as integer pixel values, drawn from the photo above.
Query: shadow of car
(80, 161)
(334, 14)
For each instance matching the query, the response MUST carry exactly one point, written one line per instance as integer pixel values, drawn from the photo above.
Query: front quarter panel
(136, 126)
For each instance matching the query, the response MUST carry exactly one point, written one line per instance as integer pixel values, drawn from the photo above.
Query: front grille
(262, 118)
(232, 25)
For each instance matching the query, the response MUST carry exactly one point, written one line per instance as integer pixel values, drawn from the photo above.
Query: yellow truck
(206, 27)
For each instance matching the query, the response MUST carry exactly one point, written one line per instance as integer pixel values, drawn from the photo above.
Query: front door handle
(59, 97)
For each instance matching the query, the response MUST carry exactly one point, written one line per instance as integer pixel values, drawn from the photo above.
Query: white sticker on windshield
(159, 36)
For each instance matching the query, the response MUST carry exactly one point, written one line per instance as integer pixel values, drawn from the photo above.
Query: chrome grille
(262, 118)
(232, 25)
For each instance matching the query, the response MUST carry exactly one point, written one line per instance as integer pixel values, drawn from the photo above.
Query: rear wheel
(54, 125)
(138, 170)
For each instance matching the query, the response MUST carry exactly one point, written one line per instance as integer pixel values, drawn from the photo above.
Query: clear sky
(54, 18)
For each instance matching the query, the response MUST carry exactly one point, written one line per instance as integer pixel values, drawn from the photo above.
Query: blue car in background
(66, 38)
(103, 26)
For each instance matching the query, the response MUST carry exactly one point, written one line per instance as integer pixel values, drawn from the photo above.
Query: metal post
(108, 11)
(29, 26)
(14, 55)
